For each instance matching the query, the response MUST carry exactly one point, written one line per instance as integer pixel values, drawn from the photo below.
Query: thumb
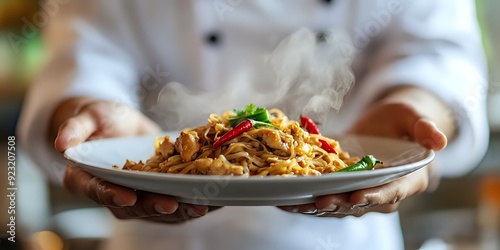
(148, 126)
(75, 130)
(428, 135)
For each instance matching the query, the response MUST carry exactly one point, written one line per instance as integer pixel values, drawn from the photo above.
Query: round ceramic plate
(98, 158)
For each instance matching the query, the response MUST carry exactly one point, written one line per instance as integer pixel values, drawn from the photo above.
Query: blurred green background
(17, 66)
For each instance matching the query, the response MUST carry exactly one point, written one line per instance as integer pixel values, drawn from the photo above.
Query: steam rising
(301, 76)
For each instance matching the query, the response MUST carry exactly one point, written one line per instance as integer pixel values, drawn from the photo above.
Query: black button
(213, 38)
(321, 37)
(327, 1)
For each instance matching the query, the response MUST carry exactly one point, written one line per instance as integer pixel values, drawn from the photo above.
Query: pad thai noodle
(250, 142)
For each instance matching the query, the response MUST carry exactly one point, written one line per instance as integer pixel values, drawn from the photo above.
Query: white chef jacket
(128, 51)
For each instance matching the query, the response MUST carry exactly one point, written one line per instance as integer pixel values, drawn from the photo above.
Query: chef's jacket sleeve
(437, 45)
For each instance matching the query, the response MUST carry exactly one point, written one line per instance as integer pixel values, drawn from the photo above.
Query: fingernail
(199, 207)
(291, 209)
(362, 203)
(310, 211)
(330, 208)
(192, 213)
(161, 210)
(430, 122)
(118, 202)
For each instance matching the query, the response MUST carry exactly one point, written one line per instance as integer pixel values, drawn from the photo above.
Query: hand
(80, 119)
(398, 117)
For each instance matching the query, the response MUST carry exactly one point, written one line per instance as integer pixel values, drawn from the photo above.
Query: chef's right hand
(77, 120)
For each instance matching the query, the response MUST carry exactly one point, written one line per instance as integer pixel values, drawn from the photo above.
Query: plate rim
(410, 167)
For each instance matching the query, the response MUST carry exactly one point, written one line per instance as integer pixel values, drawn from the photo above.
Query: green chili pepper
(257, 124)
(366, 163)
(250, 113)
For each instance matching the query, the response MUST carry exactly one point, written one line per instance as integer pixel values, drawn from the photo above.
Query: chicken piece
(202, 134)
(187, 145)
(272, 139)
(166, 148)
(303, 149)
(296, 131)
(218, 166)
(203, 165)
(221, 166)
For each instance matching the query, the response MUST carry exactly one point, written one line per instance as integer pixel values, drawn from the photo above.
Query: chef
(419, 75)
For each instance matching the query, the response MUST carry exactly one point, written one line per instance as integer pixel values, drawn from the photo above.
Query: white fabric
(252, 228)
(128, 50)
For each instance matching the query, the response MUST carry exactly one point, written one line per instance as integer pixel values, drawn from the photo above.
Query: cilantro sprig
(251, 112)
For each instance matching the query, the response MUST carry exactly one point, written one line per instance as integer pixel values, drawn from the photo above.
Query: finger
(196, 211)
(387, 119)
(101, 192)
(169, 219)
(393, 192)
(358, 212)
(162, 204)
(181, 215)
(291, 209)
(150, 204)
(334, 202)
(148, 127)
(338, 206)
(423, 131)
(390, 193)
(428, 135)
(341, 205)
(75, 130)
(145, 209)
(307, 208)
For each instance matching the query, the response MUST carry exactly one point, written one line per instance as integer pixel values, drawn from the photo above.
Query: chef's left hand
(395, 117)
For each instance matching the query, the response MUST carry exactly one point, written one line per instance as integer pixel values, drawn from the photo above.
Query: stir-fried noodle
(286, 149)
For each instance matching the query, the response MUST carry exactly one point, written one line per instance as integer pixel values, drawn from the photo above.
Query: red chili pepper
(244, 126)
(312, 128)
(327, 147)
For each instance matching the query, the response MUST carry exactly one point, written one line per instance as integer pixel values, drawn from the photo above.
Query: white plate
(98, 157)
